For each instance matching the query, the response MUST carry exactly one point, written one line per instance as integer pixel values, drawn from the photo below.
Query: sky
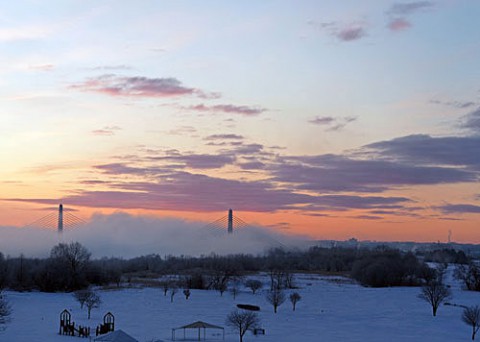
(324, 119)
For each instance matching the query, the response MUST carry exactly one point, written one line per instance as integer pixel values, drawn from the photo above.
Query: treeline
(70, 268)
(447, 256)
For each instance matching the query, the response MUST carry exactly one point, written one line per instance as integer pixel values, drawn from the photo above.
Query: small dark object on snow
(248, 307)
(259, 331)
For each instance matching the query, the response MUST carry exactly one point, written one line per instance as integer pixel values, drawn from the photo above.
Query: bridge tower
(60, 219)
(230, 221)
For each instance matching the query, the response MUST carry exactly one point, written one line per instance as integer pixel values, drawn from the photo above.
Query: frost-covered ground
(331, 309)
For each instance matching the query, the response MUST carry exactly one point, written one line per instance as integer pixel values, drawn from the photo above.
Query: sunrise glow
(326, 119)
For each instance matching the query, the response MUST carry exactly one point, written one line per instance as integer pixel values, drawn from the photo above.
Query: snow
(331, 309)
(115, 336)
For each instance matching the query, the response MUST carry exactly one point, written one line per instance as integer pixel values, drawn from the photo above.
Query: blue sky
(281, 98)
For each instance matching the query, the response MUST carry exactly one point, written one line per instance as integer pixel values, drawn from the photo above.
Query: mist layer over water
(126, 236)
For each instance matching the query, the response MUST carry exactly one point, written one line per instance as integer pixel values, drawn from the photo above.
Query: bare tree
(277, 279)
(254, 285)
(173, 292)
(186, 293)
(434, 293)
(81, 296)
(92, 302)
(234, 289)
(242, 321)
(295, 298)
(222, 287)
(289, 280)
(5, 311)
(222, 271)
(71, 261)
(276, 298)
(471, 316)
(165, 286)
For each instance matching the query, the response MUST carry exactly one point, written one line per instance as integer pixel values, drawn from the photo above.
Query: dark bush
(385, 267)
(469, 275)
(449, 256)
(195, 281)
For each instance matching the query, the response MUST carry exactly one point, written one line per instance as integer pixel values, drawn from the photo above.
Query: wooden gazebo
(199, 325)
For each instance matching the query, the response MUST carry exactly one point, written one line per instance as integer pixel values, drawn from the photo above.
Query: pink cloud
(345, 32)
(399, 12)
(332, 124)
(399, 24)
(224, 137)
(229, 108)
(200, 161)
(193, 192)
(106, 131)
(103, 132)
(352, 33)
(42, 67)
(322, 120)
(140, 87)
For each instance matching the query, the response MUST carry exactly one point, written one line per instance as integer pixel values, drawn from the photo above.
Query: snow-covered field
(331, 309)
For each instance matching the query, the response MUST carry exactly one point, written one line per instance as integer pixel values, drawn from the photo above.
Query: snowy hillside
(331, 309)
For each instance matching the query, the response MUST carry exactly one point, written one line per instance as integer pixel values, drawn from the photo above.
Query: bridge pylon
(60, 219)
(230, 221)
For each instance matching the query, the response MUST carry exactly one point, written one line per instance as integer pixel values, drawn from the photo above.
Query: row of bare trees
(70, 267)
(277, 297)
(243, 321)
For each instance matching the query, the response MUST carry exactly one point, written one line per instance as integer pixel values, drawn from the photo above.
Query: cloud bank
(471, 122)
(359, 180)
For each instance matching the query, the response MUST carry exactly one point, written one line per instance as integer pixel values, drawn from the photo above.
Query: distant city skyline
(319, 118)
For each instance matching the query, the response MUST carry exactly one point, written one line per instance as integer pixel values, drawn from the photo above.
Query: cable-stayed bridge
(62, 219)
(59, 220)
(226, 223)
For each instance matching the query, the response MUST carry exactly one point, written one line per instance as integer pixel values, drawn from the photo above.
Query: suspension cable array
(230, 223)
(58, 220)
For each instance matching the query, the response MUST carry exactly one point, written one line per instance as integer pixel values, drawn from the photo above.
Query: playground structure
(67, 327)
(107, 326)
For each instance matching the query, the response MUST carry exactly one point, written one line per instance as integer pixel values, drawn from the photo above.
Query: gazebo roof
(200, 324)
(116, 336)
